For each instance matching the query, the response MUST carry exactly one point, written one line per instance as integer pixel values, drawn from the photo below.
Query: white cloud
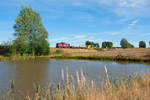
(133, 23)
(80, 36)
(129, 8)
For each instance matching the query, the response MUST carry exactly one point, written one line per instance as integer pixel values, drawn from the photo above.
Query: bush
(6, 50)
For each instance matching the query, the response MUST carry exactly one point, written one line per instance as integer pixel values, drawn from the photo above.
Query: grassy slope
(136, 54)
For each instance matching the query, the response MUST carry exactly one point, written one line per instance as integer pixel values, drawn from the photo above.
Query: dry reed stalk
(107, 77)
(72, 84)
(12, 86)
(28, 98)
(37, 92)
(62, 75)
(67, 75)
(83, 79)
(78, 79)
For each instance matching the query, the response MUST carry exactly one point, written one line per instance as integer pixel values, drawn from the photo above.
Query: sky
(76, 21)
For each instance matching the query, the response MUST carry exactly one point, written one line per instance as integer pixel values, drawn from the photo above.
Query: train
(67, 45)
(62, 45)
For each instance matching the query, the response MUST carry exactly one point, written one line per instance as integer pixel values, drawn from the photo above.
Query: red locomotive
(63, 45)
(67, 45)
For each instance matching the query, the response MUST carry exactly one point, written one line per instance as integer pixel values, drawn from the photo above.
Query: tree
(125, 44)
(142, 44)
(109, 45)
(104, 44)
(87, 43)
(30, 33)
(21, 46)
(94, 45)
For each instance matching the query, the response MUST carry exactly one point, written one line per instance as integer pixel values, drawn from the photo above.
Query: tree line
(124, 44)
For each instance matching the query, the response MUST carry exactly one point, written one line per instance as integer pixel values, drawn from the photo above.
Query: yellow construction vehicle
(90, 47)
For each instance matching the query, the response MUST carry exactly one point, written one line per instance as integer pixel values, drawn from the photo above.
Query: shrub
(6, 50)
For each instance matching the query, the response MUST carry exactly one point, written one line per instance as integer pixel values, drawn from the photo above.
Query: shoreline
(16, 58)
(98, 58)
(104, 58)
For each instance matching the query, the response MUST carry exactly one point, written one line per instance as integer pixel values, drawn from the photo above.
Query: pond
(27, 73)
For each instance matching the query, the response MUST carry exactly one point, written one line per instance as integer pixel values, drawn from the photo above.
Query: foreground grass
(133, 89)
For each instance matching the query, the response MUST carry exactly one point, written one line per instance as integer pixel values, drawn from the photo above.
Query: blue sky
(75, 21)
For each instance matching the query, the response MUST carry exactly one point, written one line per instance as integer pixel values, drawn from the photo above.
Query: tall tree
(30, 33)
(125, 44)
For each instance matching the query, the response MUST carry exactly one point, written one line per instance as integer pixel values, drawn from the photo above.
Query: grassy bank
(130, 89)
(99, 58)
(102, 58)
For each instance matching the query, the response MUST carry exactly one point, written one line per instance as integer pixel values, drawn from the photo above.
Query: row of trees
(124, 44)
(96, 45)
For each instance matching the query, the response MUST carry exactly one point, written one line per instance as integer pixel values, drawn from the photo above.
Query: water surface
(41, 71)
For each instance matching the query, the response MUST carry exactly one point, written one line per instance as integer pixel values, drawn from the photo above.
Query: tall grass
(79, 88)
